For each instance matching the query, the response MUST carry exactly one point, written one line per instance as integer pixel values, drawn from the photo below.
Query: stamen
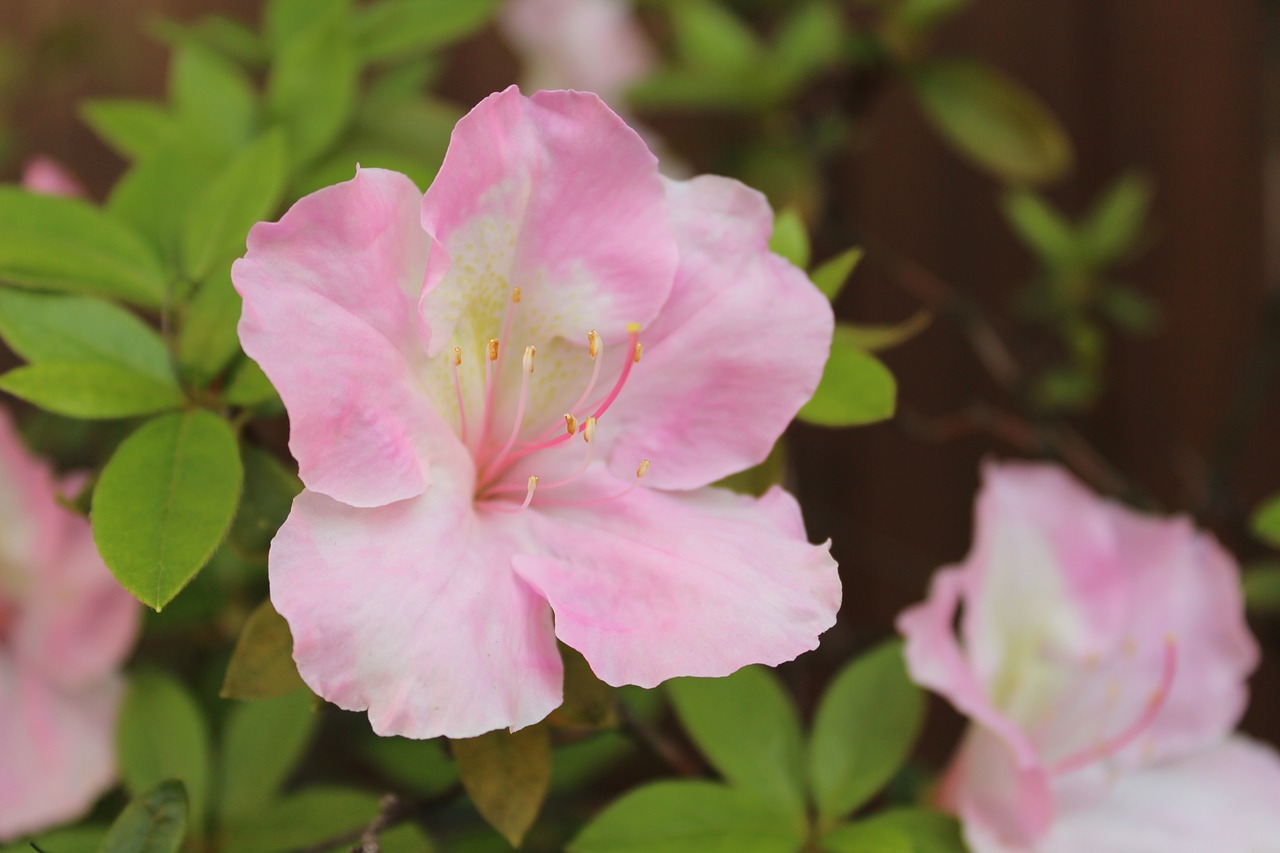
(457, 387)
(533, 487)
(493, 349)
(640, 472)
(571, 423)
(643, 469)
(497, 459)
(633, 333)
(1155, 702)
(639, 349)
(589, 430)
(515, 294)
(593, 343)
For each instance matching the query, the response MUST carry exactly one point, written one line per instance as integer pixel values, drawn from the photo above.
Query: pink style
(1101, 658)
(65, 628)
(507, 400)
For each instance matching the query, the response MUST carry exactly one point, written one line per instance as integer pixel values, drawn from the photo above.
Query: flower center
(496, 447)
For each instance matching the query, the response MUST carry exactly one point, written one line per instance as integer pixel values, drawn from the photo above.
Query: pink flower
(65, 627)
(1101, 658)
(444, 358)
(47, 176)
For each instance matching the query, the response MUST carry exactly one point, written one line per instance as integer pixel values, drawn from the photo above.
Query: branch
(392, 811)
(671, 753)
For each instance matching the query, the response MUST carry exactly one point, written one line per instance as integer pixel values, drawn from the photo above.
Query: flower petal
(656, 585)
(328, 313)
(412, 611)
(1005, 805)
(738, 349)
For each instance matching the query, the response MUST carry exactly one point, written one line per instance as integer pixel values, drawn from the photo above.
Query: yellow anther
(589, 430)
(571, 423)
(633, 328)
(515, 294)
(639, 349)
(593, 343)
(493, 349)
(457, 356)
(533, 483)
(529, 353)
(643, 469)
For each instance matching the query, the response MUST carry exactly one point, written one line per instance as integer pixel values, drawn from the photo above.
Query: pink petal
(553, 194)
(57, 749)
(47, 176)
(738, 349)
(1223, 798)
(656, 585)
(411, 610)
(328, 313)
(1003, 804)
(30, 519)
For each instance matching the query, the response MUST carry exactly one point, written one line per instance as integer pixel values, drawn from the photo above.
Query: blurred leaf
(588, 701)
(862, 837)
(162, 735)
(790, 238)
(1113, 228)
(300, 821)
(420, 765)
(312, 85)
(926, 831)
(758, 479)
(747, 727)
(407, 29)
(882, 337)
(856, 388)
(164, 502)
(47, 327)
(59, 243)
(691, 817)
(248, 385)
(1261, 583)
(155, 822)
(92, 389)
(405, 81)
(925, 14)
(995, 122)
(1042, 228)
(261, 743)
(685, 89)
(808, 42)
(831, 276)
(133, 128)
(1265, 521)
(269, 490)
(246, 191)
(212, 98)
(864, 729)
(1128, 309)
(216, 33)
(262, 666)
(1068, 388)
(207, 340)
(506, 774)
(287, 20)
(579, 764)
(711, 39)
(76, 839)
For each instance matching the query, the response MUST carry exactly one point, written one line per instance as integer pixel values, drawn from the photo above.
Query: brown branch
(671, 753)
(392, 811)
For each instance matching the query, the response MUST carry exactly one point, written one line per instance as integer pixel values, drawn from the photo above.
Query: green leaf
(212, 97)
(831, 276)
(164, 502)
(1261, 581)
(155, 822)
(76, 839)
(1114, 227)
(262, 664)
(261, 743)
(249, 386)
(747, 727)
(995, 122)
(691, 817)
(312, 86)
(874, 338)
(133, 128)
(808, 42)
(926, 831)
(269, 490)
(422, 766)
(790, 238)
(287, 20)
(300, 821)
(162, 735)
(713, 40)
(246, 191)
(224, 36)
(58, 243)
(91, 389)
(588, 702)
(506, 774)
(866, 838)
(48, 327)
(856, 388)
(406, 29)
(1128, 309)
(1265, 521)
(208, 340)
(1045, 231)
(863, 731)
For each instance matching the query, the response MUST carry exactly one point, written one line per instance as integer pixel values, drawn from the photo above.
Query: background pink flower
(65, 628)
(45, 175)
(1102, 657)
(476, 381)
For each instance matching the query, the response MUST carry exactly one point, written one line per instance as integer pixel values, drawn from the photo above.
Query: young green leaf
(790, 238)
(506, 774)
(155, 822)
(711, 39)
(76, 839)
(832, 275)
(269, 490)
(207, 341)
(261, 743)
(1261, 582)
(863, 731)
(300, 821)
(213, 98)
(133, 128)
(247, 190)
(223, 36)
(286, 20)
(1045, 231)
(312, 86)
(808, 42)
(691, 817)
(1266, 521)
(856, 388)
(874, 338)
(92, 389)
(1115, 225)
(925, 831)
(58, 243)
(162, 735)
(747, 727)
(164, 502)
(247, 385)
(865, 837)
(262, 664)
(394, 30)
(997, 123)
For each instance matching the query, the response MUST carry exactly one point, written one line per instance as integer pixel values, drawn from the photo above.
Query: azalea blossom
(507, 399)
(47, 176)
(1101, 658)
(65, 628)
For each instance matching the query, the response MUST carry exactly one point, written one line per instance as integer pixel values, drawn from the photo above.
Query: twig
(662, 746)
(392, 811)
